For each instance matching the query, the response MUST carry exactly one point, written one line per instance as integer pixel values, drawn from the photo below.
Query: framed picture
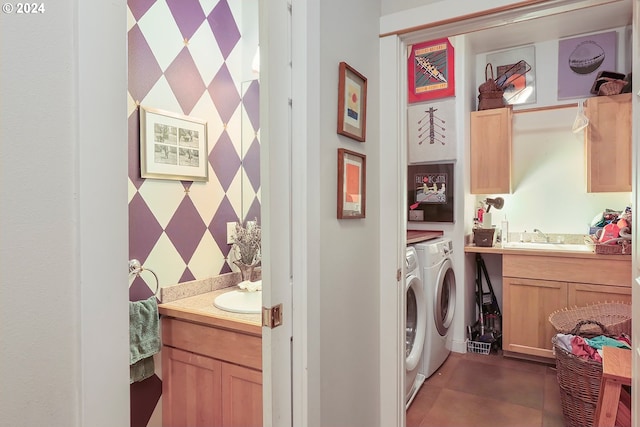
(515, 74)
(352, 103)
(172, 146)
(580, 59)
(432, 131)
(352, 180)
(431, 71)
(430, 189)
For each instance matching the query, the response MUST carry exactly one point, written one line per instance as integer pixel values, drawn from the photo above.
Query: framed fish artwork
(431, 71)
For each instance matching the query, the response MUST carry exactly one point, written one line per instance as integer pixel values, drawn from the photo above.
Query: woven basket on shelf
(491, 95)
(615, 316)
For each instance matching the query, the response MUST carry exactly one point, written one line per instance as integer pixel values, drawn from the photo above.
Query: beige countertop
(498, 249)
(200, 309)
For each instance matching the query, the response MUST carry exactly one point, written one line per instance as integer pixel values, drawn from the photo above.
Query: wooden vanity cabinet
(211, 377)
(536, 286)
(490, 151)
(608, 143)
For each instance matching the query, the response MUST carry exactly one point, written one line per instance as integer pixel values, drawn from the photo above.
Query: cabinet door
(527, 306)
(583, 294)
(191, 389)
(241, 396)
(490, 151)
(608, 143)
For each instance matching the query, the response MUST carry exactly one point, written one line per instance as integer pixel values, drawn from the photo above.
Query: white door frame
(392, 238)
(276, 184)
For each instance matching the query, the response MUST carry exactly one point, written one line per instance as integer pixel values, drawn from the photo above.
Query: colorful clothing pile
(591, 348)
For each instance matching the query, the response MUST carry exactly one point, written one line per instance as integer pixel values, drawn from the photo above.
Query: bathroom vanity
(211, 364)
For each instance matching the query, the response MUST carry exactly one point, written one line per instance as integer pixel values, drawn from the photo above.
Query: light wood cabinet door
(527, 306)
(490, 151)
(581, 294)
(608, 143)
(241, 396)
(191, 389)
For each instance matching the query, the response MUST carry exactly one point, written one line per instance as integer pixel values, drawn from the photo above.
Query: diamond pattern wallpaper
(188, 57)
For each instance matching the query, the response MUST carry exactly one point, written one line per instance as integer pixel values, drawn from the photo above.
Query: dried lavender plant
(247, 242)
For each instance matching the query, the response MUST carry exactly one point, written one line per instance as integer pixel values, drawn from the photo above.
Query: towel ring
(136, 268)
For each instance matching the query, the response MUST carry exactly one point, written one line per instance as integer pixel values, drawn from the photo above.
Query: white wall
(63, 223)
(549, 175)
(347, 289)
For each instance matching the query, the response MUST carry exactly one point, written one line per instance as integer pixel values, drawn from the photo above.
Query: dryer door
(416, 324)
(445, 301)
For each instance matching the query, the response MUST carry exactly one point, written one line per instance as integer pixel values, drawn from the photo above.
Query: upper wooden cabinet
(608, 143)
(490, 152)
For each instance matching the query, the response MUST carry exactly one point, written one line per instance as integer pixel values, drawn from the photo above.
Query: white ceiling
(549, 20)
(557, 26)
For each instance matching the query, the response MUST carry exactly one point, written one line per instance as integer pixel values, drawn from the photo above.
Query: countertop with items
(193, 301)
(499, 249)
(609, 235)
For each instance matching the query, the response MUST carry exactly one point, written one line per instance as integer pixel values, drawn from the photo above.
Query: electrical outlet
(231, 232)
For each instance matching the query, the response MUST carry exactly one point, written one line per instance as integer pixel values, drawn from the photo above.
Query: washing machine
(416, 324)
(439, 282)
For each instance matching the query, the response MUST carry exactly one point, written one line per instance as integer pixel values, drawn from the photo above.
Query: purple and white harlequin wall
(190, 57)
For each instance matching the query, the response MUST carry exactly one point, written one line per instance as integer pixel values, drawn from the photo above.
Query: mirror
(250, 150)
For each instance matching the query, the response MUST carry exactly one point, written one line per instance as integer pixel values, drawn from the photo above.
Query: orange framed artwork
(352, 103)
(352, 181)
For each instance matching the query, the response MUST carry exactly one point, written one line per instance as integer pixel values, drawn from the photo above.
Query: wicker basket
(579, 379)
(615, 316)
(616, 249)
(619, 246)
(491, 95)
(579, 382)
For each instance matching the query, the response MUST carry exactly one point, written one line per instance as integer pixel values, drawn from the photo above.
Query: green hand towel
(144, 337)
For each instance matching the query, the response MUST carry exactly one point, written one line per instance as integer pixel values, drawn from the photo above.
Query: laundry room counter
(417, 236)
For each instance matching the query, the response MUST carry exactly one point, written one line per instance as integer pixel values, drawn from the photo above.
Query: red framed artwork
(352, 175)
(431, 71)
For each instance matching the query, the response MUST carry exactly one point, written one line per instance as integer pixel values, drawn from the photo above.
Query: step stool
(614, 402)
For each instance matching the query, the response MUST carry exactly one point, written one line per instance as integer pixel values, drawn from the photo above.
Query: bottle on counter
(504, 230)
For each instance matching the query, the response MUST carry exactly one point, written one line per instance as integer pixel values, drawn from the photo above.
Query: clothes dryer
(415, 325)
(439, 281)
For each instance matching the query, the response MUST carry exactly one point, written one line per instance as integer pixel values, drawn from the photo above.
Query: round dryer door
(445, 302)
(416, 323)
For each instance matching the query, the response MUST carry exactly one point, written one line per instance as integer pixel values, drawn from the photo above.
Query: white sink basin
(542, 246)
(240, 301)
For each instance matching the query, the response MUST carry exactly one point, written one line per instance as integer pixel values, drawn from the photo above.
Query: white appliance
(416, 324)
(439, 281)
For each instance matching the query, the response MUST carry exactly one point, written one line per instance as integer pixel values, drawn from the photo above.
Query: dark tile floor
(474, 390)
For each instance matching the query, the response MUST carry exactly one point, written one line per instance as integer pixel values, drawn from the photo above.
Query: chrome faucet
(544, 236)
